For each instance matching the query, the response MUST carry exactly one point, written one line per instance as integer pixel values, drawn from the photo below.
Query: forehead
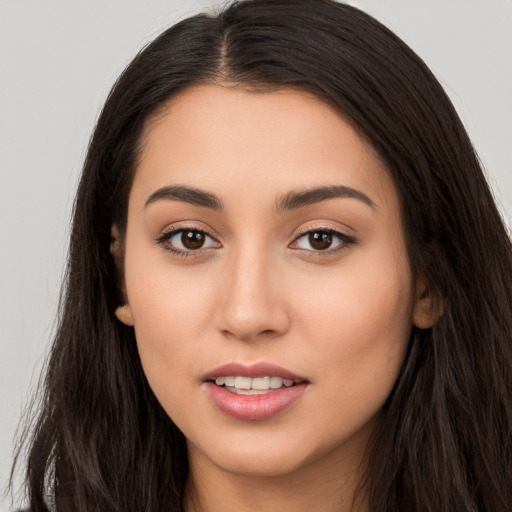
(221, 138)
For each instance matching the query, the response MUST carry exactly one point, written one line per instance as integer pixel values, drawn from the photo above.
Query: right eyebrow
(189, 195)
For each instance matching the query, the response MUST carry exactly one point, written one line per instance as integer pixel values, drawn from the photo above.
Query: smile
(253, 386)
(255, 392)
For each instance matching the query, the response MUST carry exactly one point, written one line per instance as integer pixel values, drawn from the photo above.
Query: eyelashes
(188, 239)
(322, 240)
(189, 242)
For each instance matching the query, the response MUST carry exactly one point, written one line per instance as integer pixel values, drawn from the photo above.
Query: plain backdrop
(58, 60)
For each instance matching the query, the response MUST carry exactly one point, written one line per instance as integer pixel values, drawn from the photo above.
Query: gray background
(58, 60)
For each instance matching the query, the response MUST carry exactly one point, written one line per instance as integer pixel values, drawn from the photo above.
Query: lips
(255, 392)
(254, 370)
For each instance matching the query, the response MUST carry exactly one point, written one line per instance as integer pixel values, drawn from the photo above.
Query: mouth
(253, 386)
(255, 392)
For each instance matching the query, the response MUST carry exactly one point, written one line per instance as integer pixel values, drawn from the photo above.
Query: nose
(253, 303)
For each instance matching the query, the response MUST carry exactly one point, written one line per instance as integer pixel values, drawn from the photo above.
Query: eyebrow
(189, 195)
(293, 200)
(290, 201)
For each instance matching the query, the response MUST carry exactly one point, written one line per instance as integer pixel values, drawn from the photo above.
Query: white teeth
(257, 384)
(243, 382)
(276, 382)
(261, 383)
(248, 391)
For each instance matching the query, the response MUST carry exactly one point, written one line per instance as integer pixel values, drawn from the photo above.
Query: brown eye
(193, 239)
(326, 240)
(187, 241)
(320, 240)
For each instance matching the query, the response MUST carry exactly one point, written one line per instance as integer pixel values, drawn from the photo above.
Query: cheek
(171, 313)
(358, 324)
(364, 303)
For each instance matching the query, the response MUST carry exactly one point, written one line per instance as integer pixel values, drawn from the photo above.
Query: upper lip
(261, 369)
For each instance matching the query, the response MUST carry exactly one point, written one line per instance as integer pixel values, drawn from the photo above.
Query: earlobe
(428, 307)
(124, 315)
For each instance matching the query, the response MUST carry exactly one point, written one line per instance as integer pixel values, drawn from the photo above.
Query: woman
(288, 283)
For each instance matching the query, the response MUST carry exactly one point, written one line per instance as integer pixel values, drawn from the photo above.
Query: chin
(260, 457)
(269, 465)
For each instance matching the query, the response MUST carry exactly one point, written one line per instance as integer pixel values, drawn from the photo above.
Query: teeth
(261, 383)
(276, 382)
(243, 382)
(257, 384)
(248, 391)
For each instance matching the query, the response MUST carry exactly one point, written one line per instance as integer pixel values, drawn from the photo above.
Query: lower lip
(254, 407)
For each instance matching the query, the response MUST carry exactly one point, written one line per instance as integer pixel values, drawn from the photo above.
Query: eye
(318, 240)
(187, 240)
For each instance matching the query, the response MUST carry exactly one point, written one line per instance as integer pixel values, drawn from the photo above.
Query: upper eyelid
(324, 226)
(335, 232)
(329, 229)
(177, 227)
(319, 230)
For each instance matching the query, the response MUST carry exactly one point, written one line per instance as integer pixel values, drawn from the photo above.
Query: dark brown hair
(102, 442)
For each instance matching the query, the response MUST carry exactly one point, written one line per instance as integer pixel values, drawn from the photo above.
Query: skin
(259, 291)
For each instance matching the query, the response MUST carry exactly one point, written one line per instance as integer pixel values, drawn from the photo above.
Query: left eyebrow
(293, 200)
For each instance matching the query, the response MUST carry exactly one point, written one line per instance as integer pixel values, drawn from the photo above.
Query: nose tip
(247, 321)
(253, 304)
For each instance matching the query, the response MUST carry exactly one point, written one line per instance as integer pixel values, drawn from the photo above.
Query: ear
(123, 312)
(428, 306)
(117, 252)
(124, 315)
(115, 246)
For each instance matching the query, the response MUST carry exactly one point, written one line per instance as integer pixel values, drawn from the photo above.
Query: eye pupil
(320, 240)
(192, 239)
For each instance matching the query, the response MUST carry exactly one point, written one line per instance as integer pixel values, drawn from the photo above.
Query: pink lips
(254, 407)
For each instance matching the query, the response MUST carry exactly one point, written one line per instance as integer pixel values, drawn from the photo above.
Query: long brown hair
(102, 442)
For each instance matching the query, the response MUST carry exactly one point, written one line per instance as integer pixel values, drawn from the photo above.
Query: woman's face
(263, 243)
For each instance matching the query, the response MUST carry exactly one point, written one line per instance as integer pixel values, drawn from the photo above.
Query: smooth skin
(249, 282)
